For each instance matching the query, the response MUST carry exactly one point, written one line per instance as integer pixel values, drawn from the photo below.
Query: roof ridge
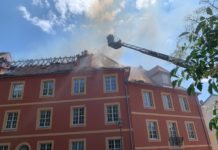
(48, 61)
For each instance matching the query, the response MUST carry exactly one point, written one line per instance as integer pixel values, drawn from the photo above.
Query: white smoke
(148, 23)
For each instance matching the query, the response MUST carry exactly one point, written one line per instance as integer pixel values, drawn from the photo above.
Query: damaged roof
(84, 61)
(58, 65)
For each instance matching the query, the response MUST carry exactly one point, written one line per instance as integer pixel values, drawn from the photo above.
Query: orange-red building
(90, 102)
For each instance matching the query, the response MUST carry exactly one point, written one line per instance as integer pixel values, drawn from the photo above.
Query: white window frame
(81, 86)
(76, 141)
(111, 85)
(118, 113)
(23, 144)
(6, 120)
(45, 142)
(148, 101)
(187, 123)
(40, 110)
(48, 88)
(176, 131)
(170, 131)
(184, 104)
(148, 121)
(19, 92)
(78, 116)
(167, 101)
(5, 144)
(114, 138)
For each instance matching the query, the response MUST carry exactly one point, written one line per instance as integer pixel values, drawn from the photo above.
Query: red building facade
(83, 103)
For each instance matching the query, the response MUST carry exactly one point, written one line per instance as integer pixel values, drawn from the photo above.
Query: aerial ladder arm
(118, 44)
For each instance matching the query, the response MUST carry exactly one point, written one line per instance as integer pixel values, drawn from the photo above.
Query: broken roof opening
(82, 61)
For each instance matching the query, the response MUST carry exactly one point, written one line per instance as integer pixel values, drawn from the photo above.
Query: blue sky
(50, 28)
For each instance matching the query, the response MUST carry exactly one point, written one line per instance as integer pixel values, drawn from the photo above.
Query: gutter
(127, 70)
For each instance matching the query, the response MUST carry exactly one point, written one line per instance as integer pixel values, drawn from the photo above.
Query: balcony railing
(176, 141)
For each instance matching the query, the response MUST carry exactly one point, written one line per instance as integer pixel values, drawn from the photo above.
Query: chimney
(5, 59)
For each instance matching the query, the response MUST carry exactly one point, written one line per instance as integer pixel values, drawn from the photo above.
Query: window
(172, 129)
(191, 131)
(167, 103)
(23, 147)
(45, 145)
(148, 99)
(112, 113)
(17, 89)
(78, 115)
(110, 83)
(11, 120)
(78, 145)
(47, 87)
(152, 128)
(79, 86)
(44, 117)
(184, 104)
(4, 147)
(114, 144)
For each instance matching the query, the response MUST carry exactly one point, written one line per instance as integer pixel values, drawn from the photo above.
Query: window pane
(24, 147)
(17, 90)
(48, 87)
(167, 102)
(46, 146)
(78, 145)
(184, 104)
(191, 131)
(148, 101)
(110, 83)
(78, 116)
(3, 147)
(114, 144)
(11, 120)
(79, 86)
(45, 116)
(172, 129)
(153, 130)
(112, 113)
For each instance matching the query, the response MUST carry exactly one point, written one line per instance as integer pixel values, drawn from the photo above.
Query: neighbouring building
(90, 102)
(207, 109)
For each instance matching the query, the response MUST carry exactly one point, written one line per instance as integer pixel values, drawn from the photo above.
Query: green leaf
(184, 33)
(173, 72)
(214, 111)
(174, 83)
(199, 86)
(210, 88)
(199, 26)
(190, 37)
(211, 124)
(180, 81)
(183, 73)
(202, 18)
(191, 89)
(215, 86)
(209, 11)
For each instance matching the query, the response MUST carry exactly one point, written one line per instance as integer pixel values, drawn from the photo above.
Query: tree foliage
(201, 42)
(213, 124)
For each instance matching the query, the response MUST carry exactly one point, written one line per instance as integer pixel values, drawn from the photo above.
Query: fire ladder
(116, 44)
